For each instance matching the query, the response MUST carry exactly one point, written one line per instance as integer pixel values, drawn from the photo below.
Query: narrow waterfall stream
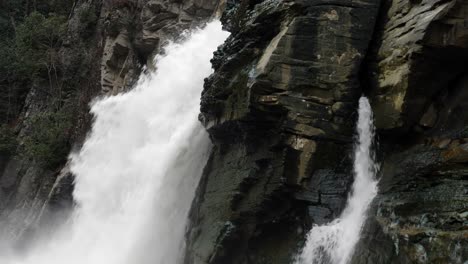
(137, 172)
(334, 243)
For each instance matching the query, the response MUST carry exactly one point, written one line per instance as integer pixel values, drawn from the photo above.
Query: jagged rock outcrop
(420, 213)
(280, 109)
(419, 87)
(421, 50)
(136, 32)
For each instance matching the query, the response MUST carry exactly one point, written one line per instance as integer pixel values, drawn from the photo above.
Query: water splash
(334, 243)
(137, 172)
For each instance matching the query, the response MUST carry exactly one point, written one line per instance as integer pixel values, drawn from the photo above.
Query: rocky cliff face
(280, 109)
(419, 88)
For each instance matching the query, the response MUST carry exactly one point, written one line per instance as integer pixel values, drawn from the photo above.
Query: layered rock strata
(419, 89)
(280, 109)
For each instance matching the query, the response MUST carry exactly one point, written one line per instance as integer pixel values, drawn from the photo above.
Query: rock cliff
(280, 108)
(418, 79)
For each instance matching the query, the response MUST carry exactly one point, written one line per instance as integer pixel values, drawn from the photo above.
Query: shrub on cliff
(88, 19)
(47, 142)
(12, 89)
(31, 36)
(62, 7)
(37, 41)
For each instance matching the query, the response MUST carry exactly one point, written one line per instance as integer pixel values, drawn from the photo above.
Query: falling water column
(334, 243)
(137, 172)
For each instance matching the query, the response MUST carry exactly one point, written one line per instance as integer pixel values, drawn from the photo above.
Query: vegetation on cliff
(32, 35)
(48, 142)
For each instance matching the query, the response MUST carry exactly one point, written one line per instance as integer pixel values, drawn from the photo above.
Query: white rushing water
(334, 243)
(137, 172)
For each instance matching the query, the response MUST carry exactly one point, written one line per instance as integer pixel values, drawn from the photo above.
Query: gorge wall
(280, 109)
(419, 83)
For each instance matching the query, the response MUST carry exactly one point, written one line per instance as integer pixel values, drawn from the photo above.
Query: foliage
(88, 18)
(31, 37)
(121, 3)
(31, 33)
(47, 142)
(61, 7)
(12, 87)
(37, 41)
(30, 56)
(7, 140)
(9, 10)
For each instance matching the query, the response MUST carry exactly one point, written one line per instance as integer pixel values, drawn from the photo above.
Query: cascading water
(137, 172)
(334, 243)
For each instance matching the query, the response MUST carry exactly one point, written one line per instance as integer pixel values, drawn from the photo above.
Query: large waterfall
(334, 243)
(137, 172)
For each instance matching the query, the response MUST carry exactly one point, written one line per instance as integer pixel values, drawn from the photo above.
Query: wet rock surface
(418, 83)
(280, 109)
(421, 208)
(420, 51)
(294, 87)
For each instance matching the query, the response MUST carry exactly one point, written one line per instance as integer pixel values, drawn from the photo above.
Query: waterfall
(334, 243)
(137, 172)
